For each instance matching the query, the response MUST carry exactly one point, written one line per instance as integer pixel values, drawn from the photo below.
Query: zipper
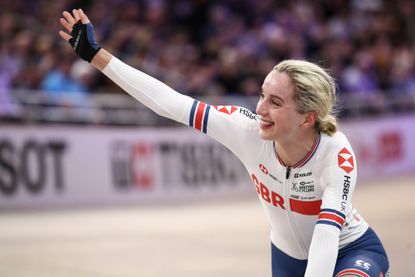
(288, 172)
(290, 216)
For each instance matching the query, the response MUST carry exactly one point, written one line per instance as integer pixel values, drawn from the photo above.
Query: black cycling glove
(83, 41)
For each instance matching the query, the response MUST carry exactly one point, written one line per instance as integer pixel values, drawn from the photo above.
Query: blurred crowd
(207, 47)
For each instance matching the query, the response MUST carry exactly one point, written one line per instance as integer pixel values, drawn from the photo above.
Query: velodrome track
(198, 239)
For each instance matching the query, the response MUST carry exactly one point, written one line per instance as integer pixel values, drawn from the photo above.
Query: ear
(310, 119)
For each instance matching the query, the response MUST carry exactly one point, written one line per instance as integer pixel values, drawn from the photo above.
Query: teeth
(266, 122)
(263, 120)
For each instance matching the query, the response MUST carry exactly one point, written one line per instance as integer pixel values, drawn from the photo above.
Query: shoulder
(238, 115)
(336, 161)
(335, 147)
(336, 141)
(338, 152)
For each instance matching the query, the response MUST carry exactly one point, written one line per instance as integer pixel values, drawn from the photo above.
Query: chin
(265, 135)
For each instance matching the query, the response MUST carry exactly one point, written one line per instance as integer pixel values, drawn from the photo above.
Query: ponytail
(327, 124)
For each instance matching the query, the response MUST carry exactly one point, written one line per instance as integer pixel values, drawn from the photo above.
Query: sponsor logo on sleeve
(248, 113)
(226, 109)
(346, 190)
(345, 160)
(346, 187)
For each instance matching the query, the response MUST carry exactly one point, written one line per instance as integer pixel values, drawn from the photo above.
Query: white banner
(383, 147)
(60, 166)
(67, 166)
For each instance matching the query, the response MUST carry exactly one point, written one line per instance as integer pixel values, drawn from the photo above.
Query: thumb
(83, 17)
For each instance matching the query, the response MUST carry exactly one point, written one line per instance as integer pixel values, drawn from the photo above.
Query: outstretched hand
(70, 20)
(80, 34)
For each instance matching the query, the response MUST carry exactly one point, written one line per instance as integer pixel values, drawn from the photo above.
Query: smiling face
(278, 110)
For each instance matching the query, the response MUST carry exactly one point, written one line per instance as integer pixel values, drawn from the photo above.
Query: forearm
(149, 91)
(323, 252)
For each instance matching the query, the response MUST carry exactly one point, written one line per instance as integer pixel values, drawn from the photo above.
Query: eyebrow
(273, 96)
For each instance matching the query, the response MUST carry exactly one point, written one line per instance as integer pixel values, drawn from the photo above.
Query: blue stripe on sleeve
(205, 119)
(335, 224)
(192, 113)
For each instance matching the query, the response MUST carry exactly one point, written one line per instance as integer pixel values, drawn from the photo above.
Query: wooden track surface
(206, 239)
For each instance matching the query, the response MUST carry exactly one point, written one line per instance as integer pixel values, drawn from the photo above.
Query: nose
(261, 107)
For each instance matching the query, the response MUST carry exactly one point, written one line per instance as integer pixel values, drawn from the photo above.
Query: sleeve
(229, 125)
(340, 180)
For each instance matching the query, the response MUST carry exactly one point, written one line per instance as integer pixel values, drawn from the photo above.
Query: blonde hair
(315, 91)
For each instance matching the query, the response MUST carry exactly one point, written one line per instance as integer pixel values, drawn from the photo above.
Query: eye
(261, 94)
(276, 103)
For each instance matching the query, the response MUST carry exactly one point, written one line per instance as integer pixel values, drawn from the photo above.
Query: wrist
(101, 59)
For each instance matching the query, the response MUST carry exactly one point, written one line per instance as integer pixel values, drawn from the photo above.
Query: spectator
(8, 68)
(216, 44)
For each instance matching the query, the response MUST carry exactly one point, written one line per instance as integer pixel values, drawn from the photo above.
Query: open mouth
(264, 124)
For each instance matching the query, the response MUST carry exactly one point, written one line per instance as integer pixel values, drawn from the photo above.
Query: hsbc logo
(345, 160)
(133, 164)
(226, 109)
(346, 187)
(266, 172)
(248, 113)
(263, 169)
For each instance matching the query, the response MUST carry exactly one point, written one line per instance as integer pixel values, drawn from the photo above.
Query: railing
(122, 110)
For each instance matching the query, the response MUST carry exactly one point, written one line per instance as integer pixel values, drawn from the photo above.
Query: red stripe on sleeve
(305, 207)
(199, 116)
(330, 216)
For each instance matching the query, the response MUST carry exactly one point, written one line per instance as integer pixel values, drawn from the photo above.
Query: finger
(64, 35)
(66, 25)
(69, 18)
(76, 15)
(83, 17)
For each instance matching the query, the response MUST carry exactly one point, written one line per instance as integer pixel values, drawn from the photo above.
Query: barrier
(68, 166)
(383, 147)
(61, 166)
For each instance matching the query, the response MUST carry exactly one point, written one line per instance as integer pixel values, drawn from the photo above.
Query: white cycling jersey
(317, 190)
(308, 205)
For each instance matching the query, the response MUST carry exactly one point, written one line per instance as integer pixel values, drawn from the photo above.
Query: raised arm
(151, 92)
(221, 123)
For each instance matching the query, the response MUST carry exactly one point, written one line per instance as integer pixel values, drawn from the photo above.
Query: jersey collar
(306, 158)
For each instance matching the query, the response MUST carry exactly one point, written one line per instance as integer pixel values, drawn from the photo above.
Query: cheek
(298, 118)
(284, 120)
(279, 116)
